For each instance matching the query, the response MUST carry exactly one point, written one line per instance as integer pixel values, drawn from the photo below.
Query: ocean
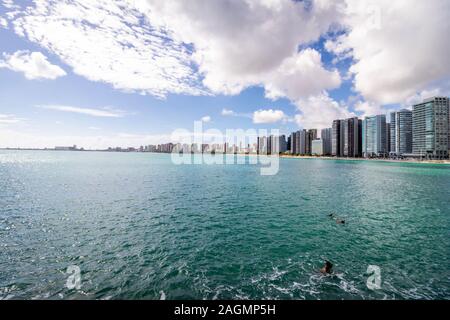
(98, 225)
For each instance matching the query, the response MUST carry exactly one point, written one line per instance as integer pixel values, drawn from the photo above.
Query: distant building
(392, 127)
(336, 139)
(73, 148)
(295, 142)
(303, 141)
(282, 144)
(326, 135)
(431, 128)
(351, 137)
(343, 127)
(346, 138)
(311, 135)
(317, 147)
(270, 145)
(388, 137)
(374, 142)
(261, 145)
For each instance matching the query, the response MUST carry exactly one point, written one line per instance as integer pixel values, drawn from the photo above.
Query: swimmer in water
(327, 268)
(339, 221)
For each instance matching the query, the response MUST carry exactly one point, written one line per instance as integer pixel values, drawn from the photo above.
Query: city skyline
(134, 79)
(423, 132)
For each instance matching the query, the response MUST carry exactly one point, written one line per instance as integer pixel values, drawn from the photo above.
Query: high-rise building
(302, 140)
(297, 142)
(262, 145)
(351, 137)
(293, 146)
(401, 132)
(346, 138)
(317, 147)
(431, 128)
(343, 127)
(374, 142)
(311, 135)
(388, 137)
(327, 141)
(392, 132)
(278, 145)
(336, 139)
(270, 145)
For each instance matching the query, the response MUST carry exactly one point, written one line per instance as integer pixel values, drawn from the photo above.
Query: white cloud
(206, 119)
(186, 47)
(244, 43)
(367, 108)
(223, 47)
(444, 90)
(6, 119)
(318, 112)
(399, 48)
(34, 65)
(106, 112)
(111, 42)
(228, 112)
(300, 76)
(232, 113)
(3, 23)
(268, 116)
(10, 4)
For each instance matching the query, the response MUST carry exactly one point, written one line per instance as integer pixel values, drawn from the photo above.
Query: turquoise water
(140, 227)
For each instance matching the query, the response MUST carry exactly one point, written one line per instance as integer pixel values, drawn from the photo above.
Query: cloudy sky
(129, 72)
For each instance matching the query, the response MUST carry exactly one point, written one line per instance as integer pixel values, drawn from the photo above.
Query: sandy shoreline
(364, 159)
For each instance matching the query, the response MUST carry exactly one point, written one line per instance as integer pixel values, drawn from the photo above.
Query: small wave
(275, 275)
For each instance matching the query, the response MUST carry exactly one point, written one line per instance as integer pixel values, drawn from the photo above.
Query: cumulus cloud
(268, 116)
(105, 112)
(10, 4)
(301, 76)
(367, 108)
(244, 43)
(399, 47)
(319, 111)
(111, 42)
(34, 65)
(191, 47)
(443, 90)
(199, 47)
(3, 23)
(206, 119)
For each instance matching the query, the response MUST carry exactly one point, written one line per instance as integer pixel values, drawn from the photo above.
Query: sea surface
(140, 227)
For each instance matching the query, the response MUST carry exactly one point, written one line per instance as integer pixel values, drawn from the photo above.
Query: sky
(129, 72)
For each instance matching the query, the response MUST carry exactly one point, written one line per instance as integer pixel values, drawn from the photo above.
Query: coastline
(285, 156)
(446, 162)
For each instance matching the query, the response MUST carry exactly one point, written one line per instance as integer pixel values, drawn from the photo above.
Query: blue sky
(158, 77)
